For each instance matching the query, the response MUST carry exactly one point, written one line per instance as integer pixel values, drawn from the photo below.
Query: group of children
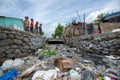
(37, 28)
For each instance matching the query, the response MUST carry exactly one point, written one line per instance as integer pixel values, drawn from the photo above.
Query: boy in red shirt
(31, 25)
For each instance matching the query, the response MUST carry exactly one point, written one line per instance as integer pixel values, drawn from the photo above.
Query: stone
(19, 37)
(87, 75)
(111, 35)
(17, 41)
(9, 51)
(105, 51)
(118, 50)
(32, 47)
(5, 42)
(112, 49)
(103, 44)
(11, 55)
(3, 36)
(95, 47)
(3, 49)
(14, 46)
(26, 47)
(90, 46)
(85, 37)
(6, 32)
(30, 44)
(11, 36)
(17, 51)
(26, 39)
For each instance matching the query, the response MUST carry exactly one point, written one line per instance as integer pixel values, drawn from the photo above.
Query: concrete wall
(11, 22)
(15, 43)
(108, 27)
(98, 44)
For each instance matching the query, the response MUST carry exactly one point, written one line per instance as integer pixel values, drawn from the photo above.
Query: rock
(26, 47)
(2, 49)
(118, 50)
(17, 41)
(111, 35)
(3, 36)
(30, 44)
(5, 42)
(105, 51)
(90, 46)
(112, 49)
(14, 46)
(9, 51)
(17, 51)
(87, 75)
(11, 36)
(103, 44)
(85, 37)
(18, 37)
(41, 57)
(26, 39)
(6, 32)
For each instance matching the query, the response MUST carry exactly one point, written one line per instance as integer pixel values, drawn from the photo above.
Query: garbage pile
(67, 65)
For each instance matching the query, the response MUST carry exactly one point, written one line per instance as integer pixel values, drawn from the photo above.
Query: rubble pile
(69, 64)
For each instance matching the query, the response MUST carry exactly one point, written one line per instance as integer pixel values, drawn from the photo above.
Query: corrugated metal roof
(112, 15)
(9, 17)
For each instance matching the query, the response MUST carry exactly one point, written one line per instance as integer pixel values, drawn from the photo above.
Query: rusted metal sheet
(108, 27)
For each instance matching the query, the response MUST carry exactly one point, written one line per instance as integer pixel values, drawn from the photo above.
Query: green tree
(58, 31)
(99, 17)
(53, 35)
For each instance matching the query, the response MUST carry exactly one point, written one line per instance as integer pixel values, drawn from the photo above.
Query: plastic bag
(9, 75)
(18, 62)
(46, 75)
(107, 78)
(7, 64)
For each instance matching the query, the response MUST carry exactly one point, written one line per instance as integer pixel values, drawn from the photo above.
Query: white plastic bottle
(74, 75)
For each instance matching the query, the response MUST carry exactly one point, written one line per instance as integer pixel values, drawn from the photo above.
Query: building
(75, 29)
(10, 22)
(113, 17)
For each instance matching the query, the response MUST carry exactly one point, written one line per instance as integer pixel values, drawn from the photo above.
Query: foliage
(47, 52)
(58, 31)
(42, 33)
(53, 35)
(99, 17)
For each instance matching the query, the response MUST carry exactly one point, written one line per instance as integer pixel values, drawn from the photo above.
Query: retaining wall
(15, 43)
(107, 44)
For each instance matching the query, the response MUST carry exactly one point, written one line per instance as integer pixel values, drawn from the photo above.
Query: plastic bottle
(74, 75)
(107, 78)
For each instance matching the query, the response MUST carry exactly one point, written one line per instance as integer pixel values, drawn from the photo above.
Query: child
(26, 24)
(31, 25)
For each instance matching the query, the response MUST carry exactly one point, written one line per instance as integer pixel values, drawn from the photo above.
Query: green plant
(47, 52)
(50, 52)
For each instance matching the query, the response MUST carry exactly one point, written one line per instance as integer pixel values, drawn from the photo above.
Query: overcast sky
(52, 12)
